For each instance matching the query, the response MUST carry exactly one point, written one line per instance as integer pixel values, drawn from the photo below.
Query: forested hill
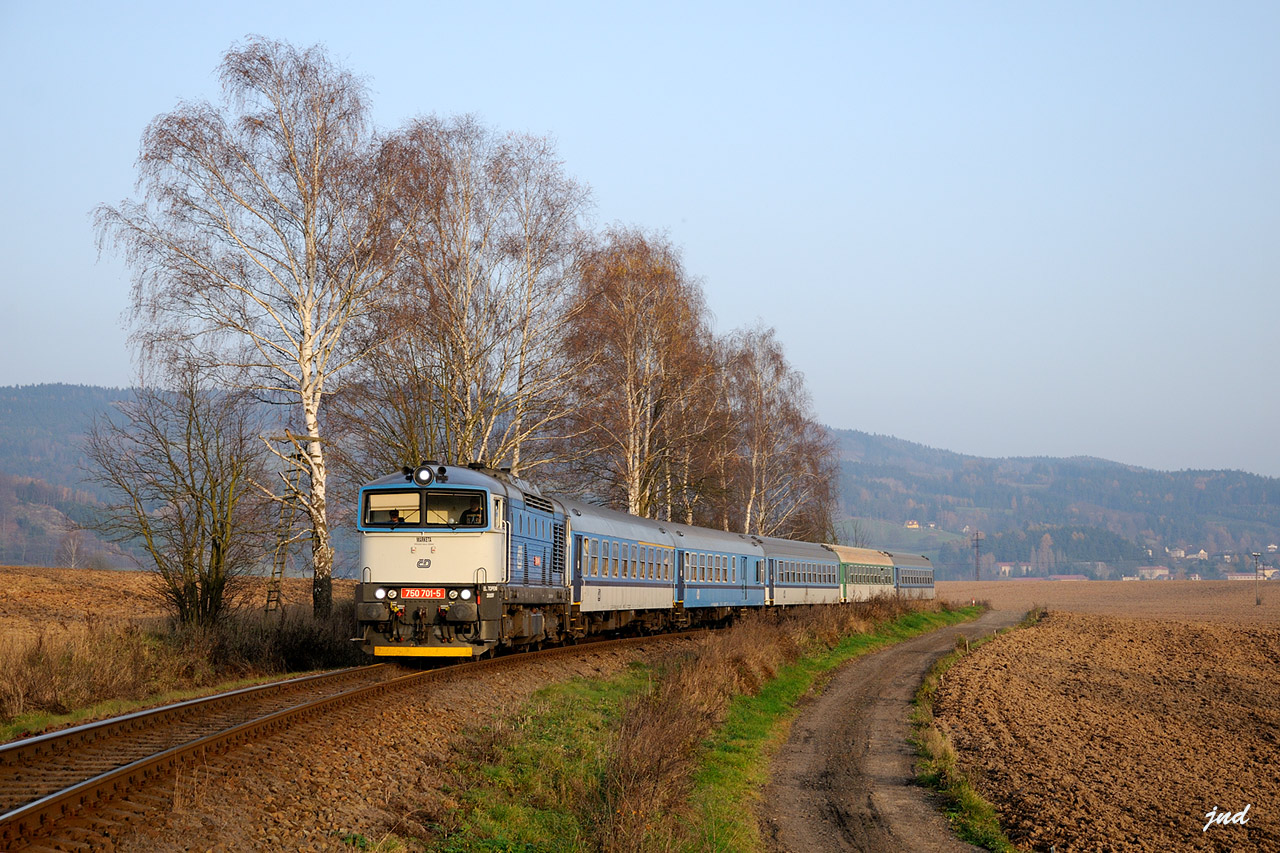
(1091, 510)
(1016, 501)
(42, 429)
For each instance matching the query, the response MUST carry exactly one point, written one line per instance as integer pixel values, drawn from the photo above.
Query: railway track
(78, 776)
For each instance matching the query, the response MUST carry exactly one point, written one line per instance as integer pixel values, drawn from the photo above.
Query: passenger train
(464, 561)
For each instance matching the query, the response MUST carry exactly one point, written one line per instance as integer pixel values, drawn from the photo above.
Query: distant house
(912, 525)
(1177, 553)
(1013, 570)
(1194, 576)
(1202, 554)
(1153, 573)
(1266, 574)
(1271, 549)
(1068, 577)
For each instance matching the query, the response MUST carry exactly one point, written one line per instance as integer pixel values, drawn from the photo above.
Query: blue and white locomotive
(461, 561)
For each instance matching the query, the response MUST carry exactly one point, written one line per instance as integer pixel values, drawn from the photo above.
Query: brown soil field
(1127, 717)
(34, 599)
(1200, 601)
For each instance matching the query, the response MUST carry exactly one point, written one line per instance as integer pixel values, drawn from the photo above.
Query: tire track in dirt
(844, 778)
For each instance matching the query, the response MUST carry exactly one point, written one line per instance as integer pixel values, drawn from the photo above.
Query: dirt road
(843, 780)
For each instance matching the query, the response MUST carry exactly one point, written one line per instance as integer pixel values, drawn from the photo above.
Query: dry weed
(642, 801)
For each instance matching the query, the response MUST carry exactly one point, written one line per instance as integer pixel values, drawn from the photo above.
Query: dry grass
(643, 799)
(89, 667)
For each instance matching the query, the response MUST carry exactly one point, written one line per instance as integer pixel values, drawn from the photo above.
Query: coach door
(578, 565)
(680, 575)
(769, 580)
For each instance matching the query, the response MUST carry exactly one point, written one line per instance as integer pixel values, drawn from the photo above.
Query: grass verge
(735, 765)
(970, 815)
(664, 757)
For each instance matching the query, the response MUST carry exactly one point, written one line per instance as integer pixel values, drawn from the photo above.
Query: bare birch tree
(785, 480)
(260, 239)
(469, 368)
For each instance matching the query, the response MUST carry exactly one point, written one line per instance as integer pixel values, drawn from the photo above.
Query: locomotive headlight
(453, 593)
(379, 593)
(466, 594)
(391, 593)
(423, 476)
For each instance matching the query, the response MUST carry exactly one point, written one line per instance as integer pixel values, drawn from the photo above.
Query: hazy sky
(998, 228)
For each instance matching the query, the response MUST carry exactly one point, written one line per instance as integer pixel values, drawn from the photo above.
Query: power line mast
(978, 536)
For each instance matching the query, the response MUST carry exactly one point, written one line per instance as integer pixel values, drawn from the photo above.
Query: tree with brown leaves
(640, 336)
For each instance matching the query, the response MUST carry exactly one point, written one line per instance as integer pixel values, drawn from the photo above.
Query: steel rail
(66, 739)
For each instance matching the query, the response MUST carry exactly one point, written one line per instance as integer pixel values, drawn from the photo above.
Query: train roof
(789, 549)
(910, 561)
(861, 556)
(498, 482)
(589, 518)
(706, 539)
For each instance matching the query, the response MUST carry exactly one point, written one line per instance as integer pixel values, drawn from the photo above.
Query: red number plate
(422, 593)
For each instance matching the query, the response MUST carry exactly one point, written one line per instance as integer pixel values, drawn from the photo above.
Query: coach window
(614, 549)
(733, 567)
(626, 566)
(635, 563)
(702, 567)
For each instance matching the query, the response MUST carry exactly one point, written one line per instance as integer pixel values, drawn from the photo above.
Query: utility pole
(978, 536)
(1257, 593)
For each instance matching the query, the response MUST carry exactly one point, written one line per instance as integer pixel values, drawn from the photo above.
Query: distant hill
(1092, 510)
(42, 429)
(1078, 515)
(43, 493)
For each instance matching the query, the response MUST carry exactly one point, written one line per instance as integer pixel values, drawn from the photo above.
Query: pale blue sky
(996, 228)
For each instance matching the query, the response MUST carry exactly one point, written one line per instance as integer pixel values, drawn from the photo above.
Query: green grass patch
(526, 782)
(735, 764)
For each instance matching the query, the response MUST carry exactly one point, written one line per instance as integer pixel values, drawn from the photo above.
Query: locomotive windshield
(433, 508)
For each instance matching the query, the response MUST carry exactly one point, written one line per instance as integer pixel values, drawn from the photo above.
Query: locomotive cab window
(392, 509)
(455, 509)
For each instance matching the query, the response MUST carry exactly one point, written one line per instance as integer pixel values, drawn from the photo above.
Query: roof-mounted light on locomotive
(424, 475)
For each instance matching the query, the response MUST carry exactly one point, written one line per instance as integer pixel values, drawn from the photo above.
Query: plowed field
(1127, 717)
